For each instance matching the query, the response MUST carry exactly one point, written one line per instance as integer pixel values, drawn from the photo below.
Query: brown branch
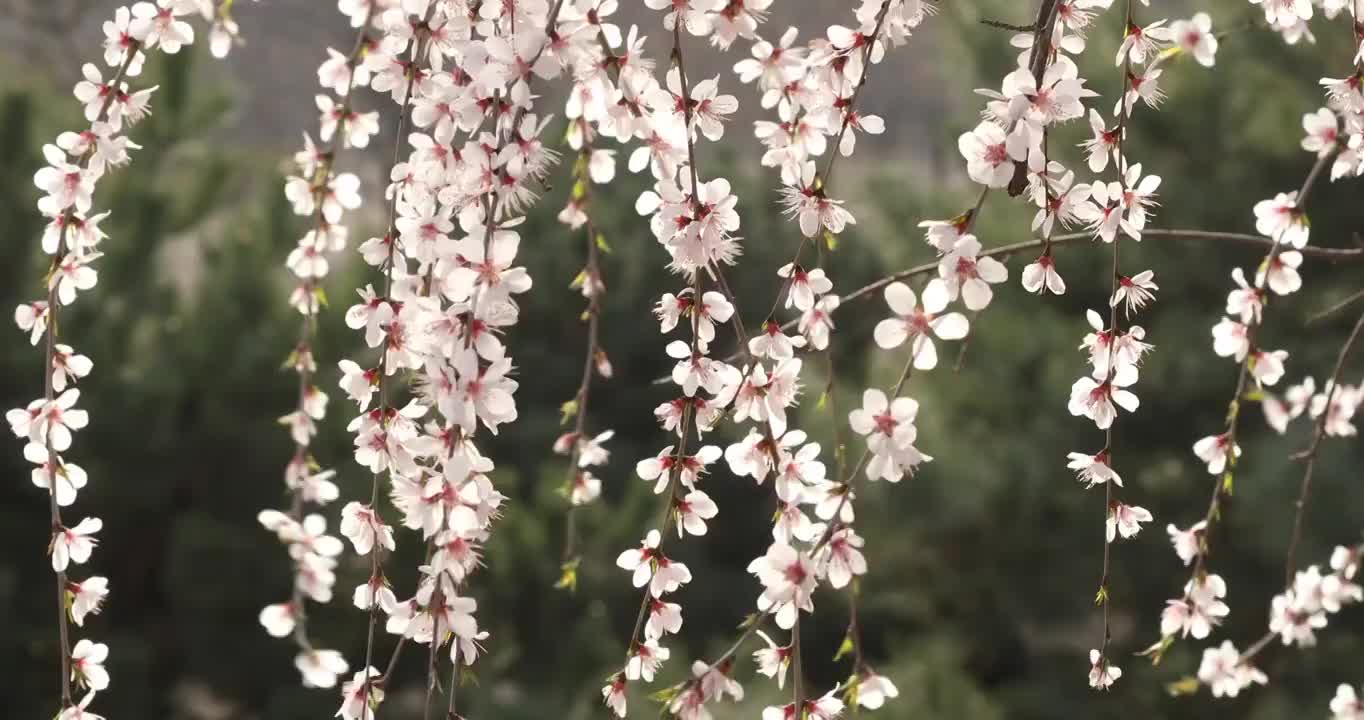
(49, 391)
(592, 275)
(698, 285)
(1322, 253)
(1241, 239)
(1332, 254)
(742, 336)
(1337, 307)
(591, 279)
(308, 327)
(1047, 14)
(1310, 454)
(848, 479)
(797, 694)
(454, 681)
(1120, 169)
(848, 113)
(1257, 647)
(736, 320)
(1006, 26)
(491, 208)
(749, 626)
(391, 235)
(1222, 485)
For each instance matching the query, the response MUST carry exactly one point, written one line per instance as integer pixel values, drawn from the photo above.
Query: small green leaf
(830, 241)
(1169, 52)
(467, 676)
(666, 695)
(568, 578)
(845, 647)
(851, 691)
(1157, 651)
(602, 244)
(1101, 596)
(1186, 685)
(568, 411)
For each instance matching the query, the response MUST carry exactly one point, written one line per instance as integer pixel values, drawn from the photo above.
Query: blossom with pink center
(788, 577)
(1098, 399)
(920, 324)
(964, 272)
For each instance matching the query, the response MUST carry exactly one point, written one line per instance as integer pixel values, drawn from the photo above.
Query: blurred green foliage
(979, 600)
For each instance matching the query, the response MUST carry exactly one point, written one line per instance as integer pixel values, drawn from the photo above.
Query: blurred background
(979, 603)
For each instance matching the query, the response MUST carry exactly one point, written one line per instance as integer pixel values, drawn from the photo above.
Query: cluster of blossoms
(1290, 17)
(76, 162)
(1338, 403)
(1302, 609)
(1009, 149)
(462, 72)
(1225, 671)
(694, 221)
(1295, 616)
(321, 194)
(814, 90)
(445, 300)
(1333, 134)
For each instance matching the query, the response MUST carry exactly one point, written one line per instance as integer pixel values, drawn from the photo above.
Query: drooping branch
(1222, 482)
(385, 408)
(54, 303)
(1330, 254)
(305, 481)
(1309, 456)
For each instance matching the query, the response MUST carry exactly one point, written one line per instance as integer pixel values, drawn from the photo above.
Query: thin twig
(1120, 169)
(491, 209)
(689, 412)
(49, 390)
(1007, 26)
(1330, 254)
(1222, 484)
(797, 683)
(307, 332)
(591, 281)
(454, 681)
(847, 480)
(1333, 254)
(1310, 454)
(1328, 312)
(391, 236)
